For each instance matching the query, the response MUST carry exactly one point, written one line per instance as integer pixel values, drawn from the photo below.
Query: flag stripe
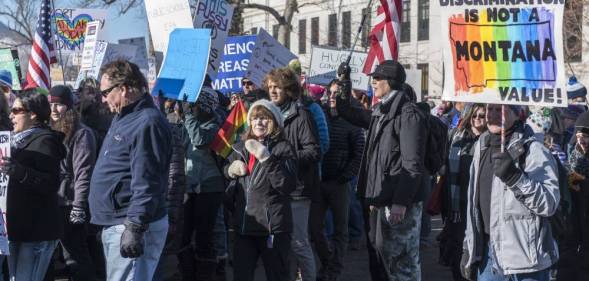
(385, 34)
(42, 51)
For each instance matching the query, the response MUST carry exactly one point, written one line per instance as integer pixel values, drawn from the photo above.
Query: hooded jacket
(261, 200)
(520, 232)
(32, 210)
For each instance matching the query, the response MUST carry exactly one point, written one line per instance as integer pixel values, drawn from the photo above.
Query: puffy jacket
(520, 232)
(77, 166)
(32, 209)
(342, 160)
(393, 160)
(300, 130)
(261, 200)
(176, 189)
(202, 172)
(131, 175)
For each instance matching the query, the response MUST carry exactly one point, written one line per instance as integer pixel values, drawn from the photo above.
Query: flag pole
(55, 44)
(360, 28)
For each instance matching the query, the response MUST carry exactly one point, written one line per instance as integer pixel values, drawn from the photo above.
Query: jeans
(488, 273)
(301, 248)
(275, 258)
(335, 197)
(28, 261)
(75, 249)
(141, 268)
(197, 259)
(355, 217)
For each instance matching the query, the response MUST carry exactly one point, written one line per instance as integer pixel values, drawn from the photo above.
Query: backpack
(437, 144)
(561, 221)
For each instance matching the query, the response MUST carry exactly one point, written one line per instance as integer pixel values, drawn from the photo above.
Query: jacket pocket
(121, 195)
(518, 244)
(513, 207)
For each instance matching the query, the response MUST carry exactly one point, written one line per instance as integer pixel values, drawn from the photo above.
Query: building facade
(335, 23)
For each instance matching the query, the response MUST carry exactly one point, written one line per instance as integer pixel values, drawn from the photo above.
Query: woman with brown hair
(263, 170)
(462, 141)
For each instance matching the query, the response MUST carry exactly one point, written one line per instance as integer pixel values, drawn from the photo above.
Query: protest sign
(163, 17)
(236, 58)
(414, 80)
(185, 64)
(324, 64)
(268, 54)
(215, 15)
(70, 27)
(151, 72)
(508, 53)
(105, 53)
(90, 45)
(4, 152)
(8, 62)
(140, 55)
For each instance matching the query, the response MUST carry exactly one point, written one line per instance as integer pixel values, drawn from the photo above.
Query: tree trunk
(285, 28)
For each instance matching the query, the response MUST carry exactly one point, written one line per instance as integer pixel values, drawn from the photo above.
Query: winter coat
(300, 130)
(76, 168)
(342, 161)
(32, 209)
(131, 175)
(261, 200)
(393, 159)
(520, 232)
(176, 189)
(202, 172)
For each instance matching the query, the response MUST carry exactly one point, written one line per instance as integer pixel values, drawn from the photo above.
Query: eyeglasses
(247, 83)
(18, 110)
(104, 93)
(480, 116)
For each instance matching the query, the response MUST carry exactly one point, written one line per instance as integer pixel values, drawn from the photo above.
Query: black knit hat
(582, 123)
(61, 94)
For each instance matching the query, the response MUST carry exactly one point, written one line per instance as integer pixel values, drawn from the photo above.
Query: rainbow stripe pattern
(233, 126)
(490, 53)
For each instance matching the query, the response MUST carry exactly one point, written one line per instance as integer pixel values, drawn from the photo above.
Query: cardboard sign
(504, 54)
(71, 25)
(163, 18)
(215, 15)
(236, 58)
(90, 45)
(8, 62)
(185, 64)
(325, 62)
(4, 152)
(268, 54)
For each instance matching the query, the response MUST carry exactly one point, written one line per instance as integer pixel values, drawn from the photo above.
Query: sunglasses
(247, 83)
(18, 110)
(480, 116)
(104, 93)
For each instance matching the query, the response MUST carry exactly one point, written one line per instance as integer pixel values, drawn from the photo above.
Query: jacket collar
(144, 102)
(386, 104)
(289, 110)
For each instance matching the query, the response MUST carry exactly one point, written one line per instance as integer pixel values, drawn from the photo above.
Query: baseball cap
(390, 70)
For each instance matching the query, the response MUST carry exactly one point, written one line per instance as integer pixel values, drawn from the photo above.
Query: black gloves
(12, 168)
(78, 215)
(505, 169)
(132, 240)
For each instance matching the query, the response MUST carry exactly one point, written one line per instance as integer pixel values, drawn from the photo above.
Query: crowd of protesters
(110, 183)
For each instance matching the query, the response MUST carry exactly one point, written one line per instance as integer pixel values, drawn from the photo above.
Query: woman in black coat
(32, 212)
(263, 170)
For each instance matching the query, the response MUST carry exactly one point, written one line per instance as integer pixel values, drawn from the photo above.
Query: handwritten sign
(215, 15)
(179, 76)
(4, 152)
(163, 17)
(71, 24)
(140, 55)
(90, 45)
(504, 53)
(268, 54)
(324, 64)
(236, 58)
(8, 62)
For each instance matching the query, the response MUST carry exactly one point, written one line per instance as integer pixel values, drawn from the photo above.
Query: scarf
(462, 144)
(19, 139)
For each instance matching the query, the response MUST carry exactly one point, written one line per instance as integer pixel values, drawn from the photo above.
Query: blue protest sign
(185, 65)
(236, 58)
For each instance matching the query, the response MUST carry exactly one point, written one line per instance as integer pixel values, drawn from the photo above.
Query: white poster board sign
(325, 62)
(163, 18)
(268, 54)
(4, 152)
(90, 45)
(414, 80)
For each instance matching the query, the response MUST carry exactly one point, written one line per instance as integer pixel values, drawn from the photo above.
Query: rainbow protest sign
(503, 51)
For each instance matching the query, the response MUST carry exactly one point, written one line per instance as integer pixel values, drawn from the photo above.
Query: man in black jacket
(128, 186)
(340, 165)
(390, 173)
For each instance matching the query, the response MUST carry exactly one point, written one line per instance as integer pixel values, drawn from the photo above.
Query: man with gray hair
(127, 190)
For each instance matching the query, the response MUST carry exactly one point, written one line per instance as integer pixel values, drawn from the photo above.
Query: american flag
(42, 52)
(384, 37)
